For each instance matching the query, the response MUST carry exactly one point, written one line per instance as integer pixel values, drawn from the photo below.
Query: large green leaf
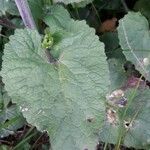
(137, 133)
(66, 97)
(134, 39)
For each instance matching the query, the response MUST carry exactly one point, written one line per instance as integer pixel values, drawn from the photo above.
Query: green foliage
(144, 7)
(135, 41)
(4, 147)
(117, 73)
(128, 125)
(54, 20)
(72, 1)
(10, 117)
(37, 8)
(116, 60)
(66, 97)
(60, 80)
(8, 6)
(107, 4)
(83, 3)
(134, 125)
(48, 40)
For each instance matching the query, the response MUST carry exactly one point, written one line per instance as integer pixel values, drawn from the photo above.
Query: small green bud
(47, 40)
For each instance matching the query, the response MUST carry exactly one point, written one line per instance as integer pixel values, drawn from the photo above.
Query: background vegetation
(74, 74)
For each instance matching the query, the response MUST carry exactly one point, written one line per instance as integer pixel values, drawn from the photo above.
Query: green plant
(67, 83)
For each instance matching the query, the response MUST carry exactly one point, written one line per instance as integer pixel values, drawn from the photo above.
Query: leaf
(116, 60)
(137, 133)
(66, 97)
(83, 3)
(72, 1)
(144, 7)
(112, 47)
(134, 40)
(9, 7)
(107, 4)
(18, 22)
(37, 8)
(117, 73)
(4, 147)
(10, 117)
(54, 18)
(11, 120)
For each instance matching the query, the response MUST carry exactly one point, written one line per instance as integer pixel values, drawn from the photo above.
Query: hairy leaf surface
(66, 97)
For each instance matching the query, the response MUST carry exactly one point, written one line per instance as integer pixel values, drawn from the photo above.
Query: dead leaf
(108, 25)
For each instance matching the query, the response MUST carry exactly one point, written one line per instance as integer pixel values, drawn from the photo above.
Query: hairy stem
(25, 13)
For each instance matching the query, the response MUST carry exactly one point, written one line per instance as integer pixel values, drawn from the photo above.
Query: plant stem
(36, 142)
(1, 35)
(96, 12)
(24, 141)
(77, 12)
(105, 146)
(25, 13)
(122, 132)
(125, 6)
